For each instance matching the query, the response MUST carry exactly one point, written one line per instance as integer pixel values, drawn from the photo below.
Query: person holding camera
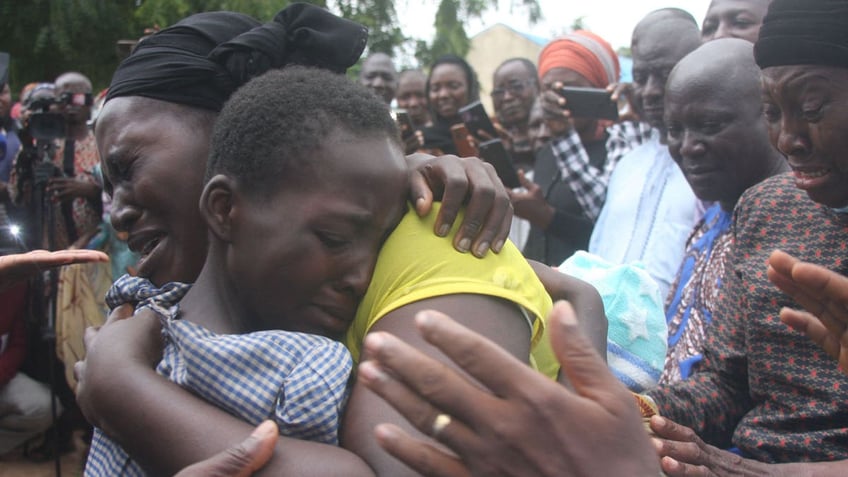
(77, 189)
(57, 164)
(568, 186)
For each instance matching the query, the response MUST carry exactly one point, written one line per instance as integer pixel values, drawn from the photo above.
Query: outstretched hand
(68, 188)
(519, 422)
(22, 266)
(459, 182)
(240, 460)
(684, 454)
(823, 293)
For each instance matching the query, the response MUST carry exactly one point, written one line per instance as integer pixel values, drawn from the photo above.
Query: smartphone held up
(490, 147)
(404, 123)
(594, 103)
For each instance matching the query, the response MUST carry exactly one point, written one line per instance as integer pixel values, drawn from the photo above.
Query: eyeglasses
(515, 88)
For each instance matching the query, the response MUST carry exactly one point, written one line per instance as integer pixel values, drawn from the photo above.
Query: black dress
(570, 229)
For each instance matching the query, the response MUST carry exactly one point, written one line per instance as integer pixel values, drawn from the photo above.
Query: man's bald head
(663, 15)
(720, 66)
(713, 115)
(659, 41)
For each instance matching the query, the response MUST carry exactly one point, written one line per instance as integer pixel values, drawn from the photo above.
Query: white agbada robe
(649, 213)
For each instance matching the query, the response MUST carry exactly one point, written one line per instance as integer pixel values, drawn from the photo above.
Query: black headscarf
(804, 32)
(201, 60)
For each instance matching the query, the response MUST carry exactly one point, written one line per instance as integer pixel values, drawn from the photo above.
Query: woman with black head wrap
(153, 134)
(203, 59)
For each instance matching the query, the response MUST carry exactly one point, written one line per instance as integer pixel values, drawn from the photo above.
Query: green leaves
(449, 24)
(49, 37)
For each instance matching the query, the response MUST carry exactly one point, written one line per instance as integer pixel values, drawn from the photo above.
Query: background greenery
(49, 37)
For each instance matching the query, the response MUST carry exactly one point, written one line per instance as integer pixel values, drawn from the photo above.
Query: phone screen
(404, 123)
(459, 133)
(476, 119)
(494, 152)
(589, 103)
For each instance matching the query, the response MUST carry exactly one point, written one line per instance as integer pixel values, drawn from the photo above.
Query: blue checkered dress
(298, 380)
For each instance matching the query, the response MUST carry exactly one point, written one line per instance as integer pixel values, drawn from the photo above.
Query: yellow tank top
(415, 264)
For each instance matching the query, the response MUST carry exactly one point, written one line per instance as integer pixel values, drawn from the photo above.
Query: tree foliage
(49, 37)
(380, 16)
(449, 24)
(168, 12)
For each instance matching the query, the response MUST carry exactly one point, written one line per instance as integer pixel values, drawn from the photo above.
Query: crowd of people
(235, 232)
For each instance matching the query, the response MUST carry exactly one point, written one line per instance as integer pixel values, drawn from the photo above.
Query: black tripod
(45, 287)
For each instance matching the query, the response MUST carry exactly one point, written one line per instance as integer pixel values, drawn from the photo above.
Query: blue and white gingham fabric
(589, 183)
(296, 379)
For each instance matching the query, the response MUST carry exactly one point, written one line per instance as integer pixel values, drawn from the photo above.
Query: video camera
(46, 125)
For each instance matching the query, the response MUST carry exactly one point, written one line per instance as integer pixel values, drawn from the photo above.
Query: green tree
(380, 16)
(49, 37)
(579, 23)
(450, 21)
(168, 12)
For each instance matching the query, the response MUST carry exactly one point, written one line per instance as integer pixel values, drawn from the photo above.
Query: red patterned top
(763, 387)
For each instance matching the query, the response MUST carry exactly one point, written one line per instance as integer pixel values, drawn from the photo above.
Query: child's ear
(216, 206)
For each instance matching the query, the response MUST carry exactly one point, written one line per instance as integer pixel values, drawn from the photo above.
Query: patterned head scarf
(203, 59)
(804, 32)
(583, 52)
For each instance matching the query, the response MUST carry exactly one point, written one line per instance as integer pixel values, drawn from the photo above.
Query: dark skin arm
(204, 430)
(166, 428)
(241, 460)
(22, 266)
(498, 320)
(584, 298)
(462, 181)
(520, 423)
(68, 188)
(189, 429)
(684, 454)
